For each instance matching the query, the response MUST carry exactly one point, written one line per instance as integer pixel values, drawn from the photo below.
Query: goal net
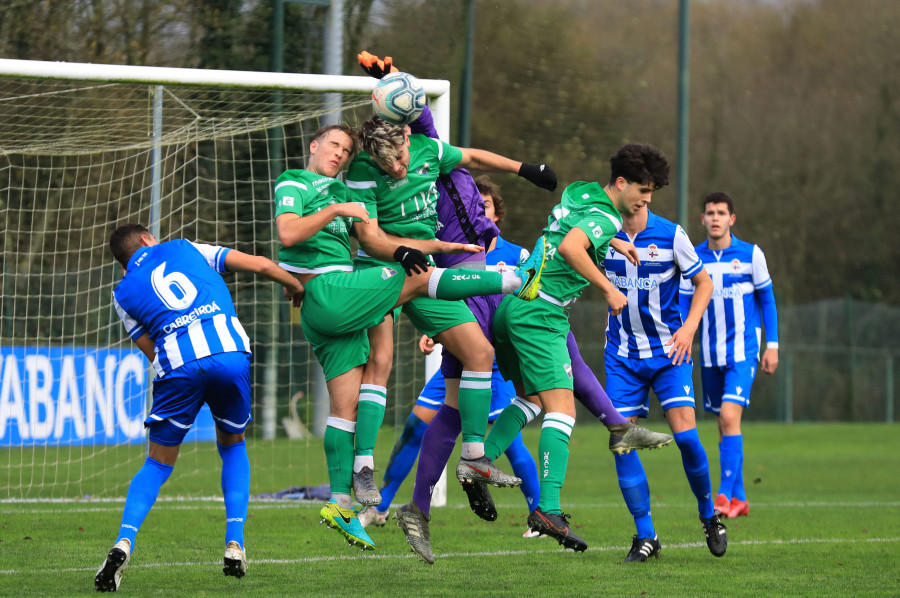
(193, 154)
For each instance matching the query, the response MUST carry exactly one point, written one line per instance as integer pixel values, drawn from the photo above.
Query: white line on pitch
(184, 505)
(323, 559)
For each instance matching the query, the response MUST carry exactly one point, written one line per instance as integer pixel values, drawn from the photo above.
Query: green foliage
(819, 525)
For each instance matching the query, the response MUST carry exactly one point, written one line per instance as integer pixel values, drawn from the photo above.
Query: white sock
(360, 461)
(472, 450)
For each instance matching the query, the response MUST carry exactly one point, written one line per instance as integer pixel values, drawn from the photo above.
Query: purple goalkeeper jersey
(460, 208)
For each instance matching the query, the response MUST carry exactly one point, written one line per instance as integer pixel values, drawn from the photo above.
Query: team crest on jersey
(387, 272)
(652, 251)
(736, 265)
(424, 168)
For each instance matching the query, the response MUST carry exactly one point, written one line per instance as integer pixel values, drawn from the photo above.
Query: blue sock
(235, 488)
(524, 467)
(142, 493)
(693, 457)
(739, 492)
(731, 452)
(636, 492)
(402, 459)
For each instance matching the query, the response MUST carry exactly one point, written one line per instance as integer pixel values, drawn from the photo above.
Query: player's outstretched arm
(237, 261)
(574, 249)
(683, 338)
(478, 159)
(434, 245)
(293, 228)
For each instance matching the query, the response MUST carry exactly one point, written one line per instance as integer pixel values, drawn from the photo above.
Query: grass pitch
(824, 521)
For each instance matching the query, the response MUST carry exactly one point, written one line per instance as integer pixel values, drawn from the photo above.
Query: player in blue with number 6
(178, 310)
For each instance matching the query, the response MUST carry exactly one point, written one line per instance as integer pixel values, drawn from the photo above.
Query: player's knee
(479, 356)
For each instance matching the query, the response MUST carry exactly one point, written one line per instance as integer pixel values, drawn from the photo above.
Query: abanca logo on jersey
(626, 282)
(732, 292)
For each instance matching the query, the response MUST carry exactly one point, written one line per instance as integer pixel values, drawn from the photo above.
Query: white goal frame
(437, 91)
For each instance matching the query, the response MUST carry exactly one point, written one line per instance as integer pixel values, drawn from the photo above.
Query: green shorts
(530, 342)
(338, 310)
(363, 263)
(433, 316)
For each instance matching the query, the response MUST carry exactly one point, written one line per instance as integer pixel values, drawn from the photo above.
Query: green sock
(369, 416)
(507, 426)
(553, 453)
(474, 404)
(461, 283)
(339, 435)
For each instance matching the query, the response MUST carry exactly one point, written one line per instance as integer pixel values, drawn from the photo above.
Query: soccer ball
(398, 98)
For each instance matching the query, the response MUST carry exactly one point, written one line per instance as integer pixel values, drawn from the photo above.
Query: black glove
(539, 174)
(374, 66)
(412, 260)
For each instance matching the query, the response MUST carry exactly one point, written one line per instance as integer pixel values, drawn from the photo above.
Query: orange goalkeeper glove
(375, 66)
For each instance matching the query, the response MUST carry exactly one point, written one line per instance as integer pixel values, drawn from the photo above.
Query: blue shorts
(222, 381)
(730, 383)
(628, 384)
(502, 393)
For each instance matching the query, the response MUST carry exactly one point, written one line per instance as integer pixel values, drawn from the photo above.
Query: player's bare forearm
(374, 241)
(770, 361)
(238, 261)
(574, 249)
(293, 228)
(429, 246)
(479, 159)
(683, 338)
(145, 344)
(703, 290)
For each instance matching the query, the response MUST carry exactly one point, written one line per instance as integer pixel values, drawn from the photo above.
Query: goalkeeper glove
(539, 174)
(412, 260)
(374, 66)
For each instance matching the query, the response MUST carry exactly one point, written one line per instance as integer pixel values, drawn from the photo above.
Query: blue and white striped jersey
(506, 253)
(652, 315)
(742, 294)
(174, 293)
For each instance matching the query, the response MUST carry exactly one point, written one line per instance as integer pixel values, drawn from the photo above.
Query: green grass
(824, 521)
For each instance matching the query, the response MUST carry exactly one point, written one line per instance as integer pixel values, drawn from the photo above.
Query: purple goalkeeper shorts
(483, 309)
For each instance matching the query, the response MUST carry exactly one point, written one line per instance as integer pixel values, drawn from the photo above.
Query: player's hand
(539, 174)
(681, 343)
(295, 295)
(770, 361)
(374, 66)
(627, 249)
(426, 345)
(352, 209)
(412, 260)
(616, 300)
(448, 247)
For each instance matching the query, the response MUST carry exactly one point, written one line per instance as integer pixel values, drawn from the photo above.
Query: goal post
(195, 154)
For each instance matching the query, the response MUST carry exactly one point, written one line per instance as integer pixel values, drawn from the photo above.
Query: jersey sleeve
(686, 257)
(599, 227)
(213, 254)
(134, 328)
(363, 185)
(448, 155)
(762, 282)
(289, 197)
(424, 125)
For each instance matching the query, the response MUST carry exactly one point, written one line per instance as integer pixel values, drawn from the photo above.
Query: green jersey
(405, 207)
(588, 207)
(303, 193)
